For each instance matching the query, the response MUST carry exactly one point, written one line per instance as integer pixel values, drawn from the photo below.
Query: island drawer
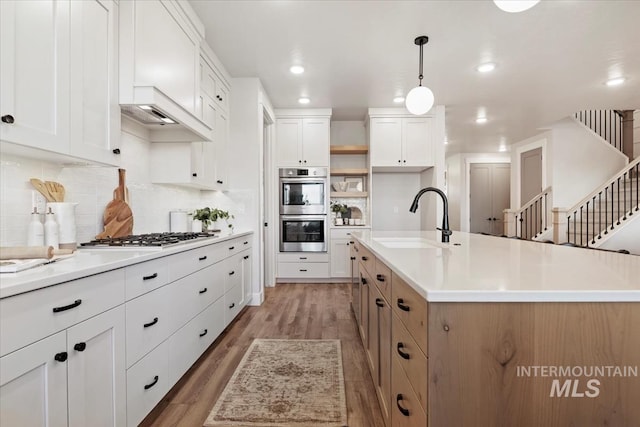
(29, 317)
(411, 359)
(145, 277)
(405, 407)
(383, 279)
(411, 309)
(367, 260)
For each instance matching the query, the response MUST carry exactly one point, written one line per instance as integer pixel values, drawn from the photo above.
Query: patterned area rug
(294, 383)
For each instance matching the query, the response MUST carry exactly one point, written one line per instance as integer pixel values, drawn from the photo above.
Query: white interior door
(489, 196)
(530, 175)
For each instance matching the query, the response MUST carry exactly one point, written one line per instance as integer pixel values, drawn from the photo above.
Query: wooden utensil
(118, 218)
(56, 190)
(42, 188)
(31, 252)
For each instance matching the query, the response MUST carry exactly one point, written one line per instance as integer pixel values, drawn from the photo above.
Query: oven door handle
(303, 181)
(303, 218)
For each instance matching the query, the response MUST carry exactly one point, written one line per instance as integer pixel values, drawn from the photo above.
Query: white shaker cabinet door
(417, 142)
(97, 376)
(386, 142)
(34, 61)
(315, 142)
(289, 142)
(340, 258)
(247, 293)
(33, 384)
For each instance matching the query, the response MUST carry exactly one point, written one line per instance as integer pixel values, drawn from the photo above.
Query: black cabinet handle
(402, 306)
(220, 181)
(302, 257)
(380, 278)
(402, 353)
(399, 161)
(304, 161)
(246, 257)
(67, 307)
(363, 280)
(404, 411)
(116, 151)
(202, 291)
(8, 118)
(204, 333)
(379, 302)
(299, 161)
(155, 320)
(60, 357)
(246, 243)
(364, 258)
(194, 174)
(231, 248)
(233, 304)
(148, 386)
(353, 258)
(202, 258)
(404, 161)
(153, 276)
(80, 346)
(232, 273)
(303, 270)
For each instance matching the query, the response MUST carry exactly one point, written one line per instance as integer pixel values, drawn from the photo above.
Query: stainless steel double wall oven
(303, 210)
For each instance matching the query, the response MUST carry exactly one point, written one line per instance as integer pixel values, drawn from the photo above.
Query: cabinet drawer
(190, 341)
(232, 272)
(29, 317)
(367, 259)
(147, 383)
(383, 279)
(187, 262)
(411, 309)
(410, 358)
(343, 233)
(405, 407)
(300, 270)
(146, 276)
(233, 303)
(234, 246)
(303, 257)
(147, 323)
(192, 294)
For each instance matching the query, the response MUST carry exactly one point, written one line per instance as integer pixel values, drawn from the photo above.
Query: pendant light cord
(420, 75)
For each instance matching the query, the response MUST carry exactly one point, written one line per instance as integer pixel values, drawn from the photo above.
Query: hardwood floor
(295, 311)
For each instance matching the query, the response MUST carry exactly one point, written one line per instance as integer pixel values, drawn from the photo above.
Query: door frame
(516, 169)
(267, 207)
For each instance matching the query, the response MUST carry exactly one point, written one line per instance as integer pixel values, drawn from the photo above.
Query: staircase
(605, 210)
(532, 220)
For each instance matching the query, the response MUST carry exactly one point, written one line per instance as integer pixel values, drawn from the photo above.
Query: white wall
(636, 134)
(392, 194)
(581, 162)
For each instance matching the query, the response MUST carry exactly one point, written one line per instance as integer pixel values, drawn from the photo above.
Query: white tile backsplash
(92, 188)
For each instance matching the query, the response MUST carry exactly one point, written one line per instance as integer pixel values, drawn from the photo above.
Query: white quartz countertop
(87, 262)
(478, 268)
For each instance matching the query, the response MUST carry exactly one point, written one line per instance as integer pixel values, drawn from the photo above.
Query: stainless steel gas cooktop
(151, 241)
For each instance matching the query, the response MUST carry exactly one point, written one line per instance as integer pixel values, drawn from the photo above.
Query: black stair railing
(606, 123)
(534, 218)
(606, 208)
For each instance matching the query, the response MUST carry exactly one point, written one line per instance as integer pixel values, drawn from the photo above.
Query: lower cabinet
(303, 265)
(379, 348)
(147, 383)
(406, 410)
(247, 293)
(74, 377)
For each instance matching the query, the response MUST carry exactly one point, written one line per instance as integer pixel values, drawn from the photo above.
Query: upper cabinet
(400, 141)
(160, 43)
(58, 64)
(302, 137)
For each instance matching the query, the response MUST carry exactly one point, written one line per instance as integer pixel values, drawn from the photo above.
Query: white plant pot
(196, 226)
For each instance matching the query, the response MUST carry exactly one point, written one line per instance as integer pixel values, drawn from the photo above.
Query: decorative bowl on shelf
(340, 186)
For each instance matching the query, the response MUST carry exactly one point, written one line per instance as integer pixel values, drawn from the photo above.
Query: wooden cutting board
(118, 218)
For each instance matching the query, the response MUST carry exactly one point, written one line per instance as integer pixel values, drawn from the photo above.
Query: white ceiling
(552, 60)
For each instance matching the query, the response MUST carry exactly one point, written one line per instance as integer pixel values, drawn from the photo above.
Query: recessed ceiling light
(297, 69)
(615, 82)
(502, 148)
(304, 100)
(485, 68)
(398, 99)
(145, 107)
(481, 120)
(446, 141)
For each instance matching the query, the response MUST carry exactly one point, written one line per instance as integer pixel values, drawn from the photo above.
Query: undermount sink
(406, 242)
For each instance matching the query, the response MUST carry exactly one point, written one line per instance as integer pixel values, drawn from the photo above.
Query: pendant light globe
(419, 100)
(515, 6)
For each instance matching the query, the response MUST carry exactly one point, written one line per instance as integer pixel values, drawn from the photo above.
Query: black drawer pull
(246, 243)
(219, 181)
(364, 258)
(353, 243)
(402, 306)
(80, 346)
(60, 357)
(8, 118)
(379, 302)
(232, 248)
(67, 307)
(202, 258)
(303, 270)
(233, 304)
(116, 151)
(155, 320)
(194, 174)
(302, 257)
(153, 276)
(232, 273)
(202, 291)
(380, 278)
(204, 333)
(402, 353)
(363, 280)
(404, 411)
(353, 258)
(246, 257)
(148, 386)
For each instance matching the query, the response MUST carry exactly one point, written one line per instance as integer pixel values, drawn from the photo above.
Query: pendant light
(515, 6)
(420, 98)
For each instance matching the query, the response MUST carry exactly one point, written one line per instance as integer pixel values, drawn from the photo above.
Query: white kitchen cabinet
(302, 141)
(181, 164)
(59, 78)
(401, 142)
(147, 383)
(247, 293)
(96, 370)
(220, 180)
(340, 262)
(33, 385)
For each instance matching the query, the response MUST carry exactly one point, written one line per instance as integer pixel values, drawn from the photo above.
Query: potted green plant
(201, 219)
(339, 210)
(218, 214)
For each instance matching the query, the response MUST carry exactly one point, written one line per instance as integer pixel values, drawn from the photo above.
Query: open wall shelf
(349, 194)
(350, 171)
(349, 149)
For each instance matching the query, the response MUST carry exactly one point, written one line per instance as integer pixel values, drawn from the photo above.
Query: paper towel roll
(178, 221)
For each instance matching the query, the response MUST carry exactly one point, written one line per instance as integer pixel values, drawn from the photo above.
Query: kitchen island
(488, 331)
